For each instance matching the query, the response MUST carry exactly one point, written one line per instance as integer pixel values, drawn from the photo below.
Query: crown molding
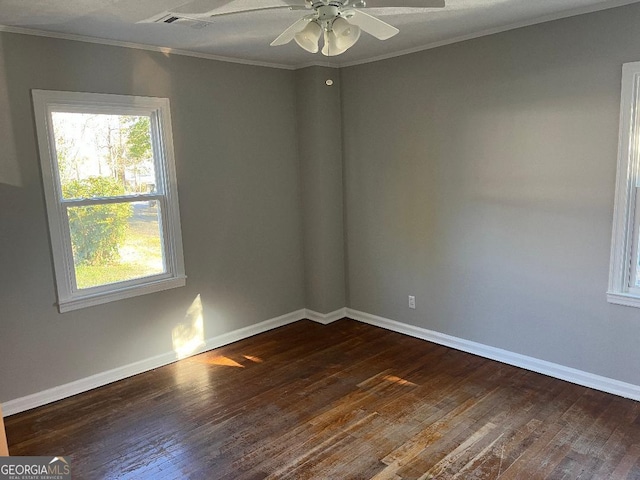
(140, 46)
(492, 31)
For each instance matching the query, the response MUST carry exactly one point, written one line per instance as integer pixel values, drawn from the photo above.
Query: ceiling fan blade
(372, 25)
(405, 3)
(202, 8)
(197, 18)
(289, 33)
(213, 13)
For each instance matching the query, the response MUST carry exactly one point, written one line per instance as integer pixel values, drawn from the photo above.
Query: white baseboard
(579, 377)
(326, 318)
(572, 375)
(84, 384)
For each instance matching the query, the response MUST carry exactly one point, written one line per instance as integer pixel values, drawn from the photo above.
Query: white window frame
(69, 296)
(626, 219)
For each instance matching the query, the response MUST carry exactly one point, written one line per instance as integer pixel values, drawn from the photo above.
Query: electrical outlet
(412, 301)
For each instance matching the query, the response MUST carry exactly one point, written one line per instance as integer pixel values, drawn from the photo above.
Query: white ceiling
(245, 37)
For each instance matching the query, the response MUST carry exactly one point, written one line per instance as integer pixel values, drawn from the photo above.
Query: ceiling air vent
(174, 19)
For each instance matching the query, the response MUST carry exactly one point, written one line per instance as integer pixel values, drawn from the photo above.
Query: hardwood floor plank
(341, 401)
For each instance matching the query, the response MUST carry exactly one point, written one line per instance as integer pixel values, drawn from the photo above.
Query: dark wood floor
(342, 401)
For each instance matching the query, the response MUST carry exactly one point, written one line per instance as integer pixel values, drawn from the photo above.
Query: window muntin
(111, 195)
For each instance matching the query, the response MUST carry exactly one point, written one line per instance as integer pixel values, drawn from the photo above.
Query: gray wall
(480, 178)
(238, 182)
(320, 150)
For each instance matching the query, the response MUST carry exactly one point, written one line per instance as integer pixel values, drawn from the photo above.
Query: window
(111, 194)
(624, 272)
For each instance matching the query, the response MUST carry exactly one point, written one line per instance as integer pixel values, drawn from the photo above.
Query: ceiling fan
(338, 22)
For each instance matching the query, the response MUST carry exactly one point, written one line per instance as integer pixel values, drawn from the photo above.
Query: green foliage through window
(97, 231)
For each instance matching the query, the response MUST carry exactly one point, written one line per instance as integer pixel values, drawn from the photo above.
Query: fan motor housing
(328, 12)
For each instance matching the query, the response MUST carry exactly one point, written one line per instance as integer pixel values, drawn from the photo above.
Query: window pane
(116, 242)
(103, 155)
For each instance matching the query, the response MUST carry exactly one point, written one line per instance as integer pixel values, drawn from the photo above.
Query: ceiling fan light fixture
(340, 38)
(309, 36)
(346, 34)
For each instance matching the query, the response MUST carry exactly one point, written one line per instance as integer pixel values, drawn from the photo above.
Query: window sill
(625, 299)
(122, 293)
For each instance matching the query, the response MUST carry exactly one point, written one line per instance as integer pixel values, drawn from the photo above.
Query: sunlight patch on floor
(220, 360)
(254, 359)
(399, 381)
